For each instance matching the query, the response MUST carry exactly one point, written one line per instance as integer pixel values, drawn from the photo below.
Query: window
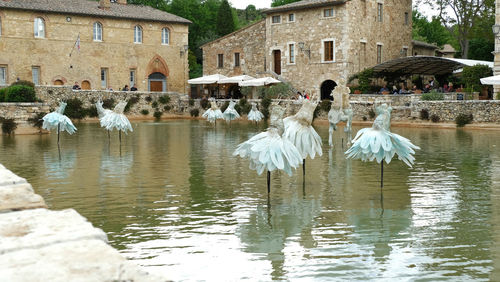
(328, 46)
(276, 19)
(39, 28)
(35, 73)
(328, 13)
(132, 77)
(220, 60)
(407, 18)
(291, 18)
(380, 12)
(379, 53)
(165, 36)
(3, 75)
(104, 78)
(236, 59)
(291, 53)
(137, 34)
(97, 31)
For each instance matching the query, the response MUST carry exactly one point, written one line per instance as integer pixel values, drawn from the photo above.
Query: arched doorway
(326, 89)
(157, 82)
(58, 82)
(85, 85)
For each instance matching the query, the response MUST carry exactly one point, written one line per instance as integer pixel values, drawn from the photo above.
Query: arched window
(39, 28)
(97, 31)
(137, 34)
(165, 36)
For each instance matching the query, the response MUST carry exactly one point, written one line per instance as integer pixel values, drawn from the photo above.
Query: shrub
(8, 125)
(36, 120)
(154, 105)
(243, 107)
(20, 93)
(365, 80)
(224, 106)
(371, 113)
(148, 99)
(424, 114)
(435, 118)
(194, 112)
(108, 103)
(91, 111)
(204, 103)
(3, 92)
(265, 103)
(191, 102)
(157, 115)
(164, 99)
(24, 82)
(432, 96)
(145, 112)
(325, 105)
(246, 91)
(364, 118)
(167, 108)
(132, 101)
(280, 89)
(463, 119)
(74, 109)
(471, 76)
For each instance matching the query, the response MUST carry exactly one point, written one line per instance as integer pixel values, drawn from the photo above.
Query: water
(176, 201)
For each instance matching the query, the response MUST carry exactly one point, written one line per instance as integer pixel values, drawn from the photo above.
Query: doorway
(277, 61)
(157, 82)
(85, 85)
(326, 89)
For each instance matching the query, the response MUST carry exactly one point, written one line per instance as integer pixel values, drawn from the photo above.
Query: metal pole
(58, 131)
(382, 174)
(268, 182)
(304, 167)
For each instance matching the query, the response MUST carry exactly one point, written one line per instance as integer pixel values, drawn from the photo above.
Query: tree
(462, 15)
(472, 75)
(430, 32)
(480, 49)
(276, 3)
(225, 21)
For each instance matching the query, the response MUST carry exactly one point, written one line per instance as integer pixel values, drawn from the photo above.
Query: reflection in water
(173, 199)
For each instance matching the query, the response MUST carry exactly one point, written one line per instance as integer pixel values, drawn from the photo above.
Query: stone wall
(117, 51)
(248, 42)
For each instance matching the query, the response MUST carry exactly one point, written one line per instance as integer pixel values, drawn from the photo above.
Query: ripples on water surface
(174, 200)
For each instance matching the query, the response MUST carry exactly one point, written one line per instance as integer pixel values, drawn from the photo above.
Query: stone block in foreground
(7, 177)
(37, 228)
(84, 260)
(19, 197)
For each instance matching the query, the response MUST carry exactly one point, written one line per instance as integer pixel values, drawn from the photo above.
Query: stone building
(314, 43)
(420, 48)
(100, 45)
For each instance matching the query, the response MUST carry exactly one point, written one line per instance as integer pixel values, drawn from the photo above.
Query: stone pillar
(496, 68)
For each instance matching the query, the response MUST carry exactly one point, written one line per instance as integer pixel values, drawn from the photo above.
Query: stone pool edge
(38, 244)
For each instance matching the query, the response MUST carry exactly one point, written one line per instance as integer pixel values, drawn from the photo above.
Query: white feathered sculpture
(255, 114)
(378, 143)
(117, 120)
(58, 120)
(230, 113)
(340, 111)
(214, 113)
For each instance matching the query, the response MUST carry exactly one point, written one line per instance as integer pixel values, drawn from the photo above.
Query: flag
(77, 43)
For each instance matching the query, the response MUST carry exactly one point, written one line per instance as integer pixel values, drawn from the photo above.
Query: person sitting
(450, 87)
(395, 90)
(133, 88)
(383, 89)
(76, 86)
(427, 88)
(403, 90)
(125, 88)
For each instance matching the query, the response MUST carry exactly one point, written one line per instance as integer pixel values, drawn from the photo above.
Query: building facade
(313, 44)
(100, 45)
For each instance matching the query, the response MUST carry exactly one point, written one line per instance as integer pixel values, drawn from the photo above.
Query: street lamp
(496, 30)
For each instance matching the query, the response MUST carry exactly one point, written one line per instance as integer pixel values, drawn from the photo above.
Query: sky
(242, 4)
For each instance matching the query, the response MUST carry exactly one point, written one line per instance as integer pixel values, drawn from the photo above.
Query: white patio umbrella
(491, 80)
(236, 79)
(208, 79)
(259, 81)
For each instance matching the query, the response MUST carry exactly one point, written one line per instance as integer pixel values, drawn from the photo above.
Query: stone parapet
(37, 244)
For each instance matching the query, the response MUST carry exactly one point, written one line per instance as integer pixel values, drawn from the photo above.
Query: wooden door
(85, 85)
(58, 82)
(156, 86)
(277, 61)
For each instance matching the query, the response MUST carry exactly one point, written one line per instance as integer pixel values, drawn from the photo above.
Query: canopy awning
(425, 65)
(236, 79)
(259, 81)
(209, 79)
(491, 80)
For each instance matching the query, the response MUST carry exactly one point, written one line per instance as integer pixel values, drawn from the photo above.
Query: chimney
(123, 2)
(104, 4)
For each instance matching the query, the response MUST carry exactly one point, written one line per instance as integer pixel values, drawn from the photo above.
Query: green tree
(472, 75)
(225, 21)
(430, 32)
(276, 3)
(462, 16)
(480, 49)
